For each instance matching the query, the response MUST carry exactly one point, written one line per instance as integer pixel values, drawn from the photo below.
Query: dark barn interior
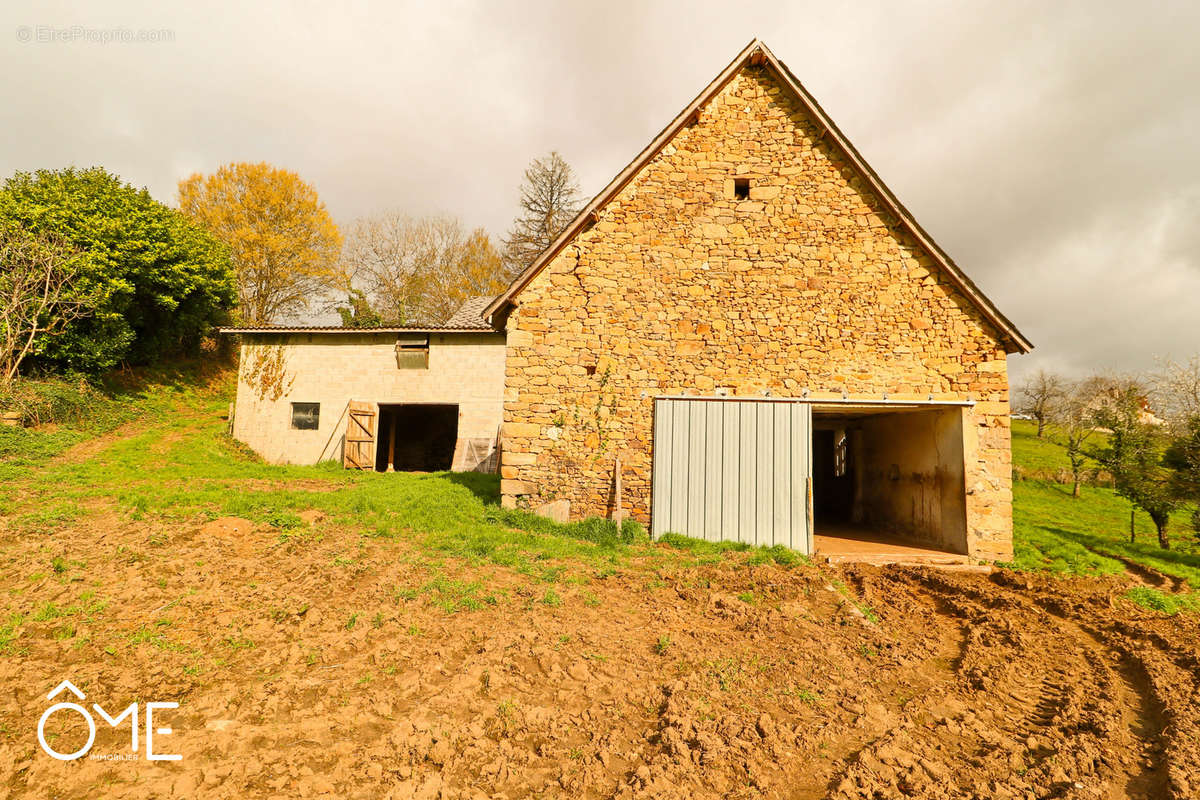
(416, 437)
(884, 475)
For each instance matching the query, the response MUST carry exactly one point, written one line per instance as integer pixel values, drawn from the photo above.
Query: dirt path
(1148, 576)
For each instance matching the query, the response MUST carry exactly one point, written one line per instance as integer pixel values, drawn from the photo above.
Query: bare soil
(336, 667)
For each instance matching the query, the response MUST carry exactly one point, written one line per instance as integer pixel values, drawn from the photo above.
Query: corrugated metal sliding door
(733, 470)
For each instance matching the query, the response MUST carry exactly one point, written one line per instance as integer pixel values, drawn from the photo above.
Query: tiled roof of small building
(468, 318)
(470, 314)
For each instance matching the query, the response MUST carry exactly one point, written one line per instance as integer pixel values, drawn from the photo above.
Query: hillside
(1090, 535)
(335, 634)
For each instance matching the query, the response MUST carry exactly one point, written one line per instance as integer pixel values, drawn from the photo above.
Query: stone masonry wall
(466, 369)
(681, 288)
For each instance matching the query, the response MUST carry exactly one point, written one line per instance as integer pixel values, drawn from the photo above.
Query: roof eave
(301, 329)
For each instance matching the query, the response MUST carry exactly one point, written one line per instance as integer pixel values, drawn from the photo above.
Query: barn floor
(847, 543)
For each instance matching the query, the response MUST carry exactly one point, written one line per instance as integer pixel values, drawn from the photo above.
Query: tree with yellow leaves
(283, 243)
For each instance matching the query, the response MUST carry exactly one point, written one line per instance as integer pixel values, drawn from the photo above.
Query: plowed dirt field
(303, 672)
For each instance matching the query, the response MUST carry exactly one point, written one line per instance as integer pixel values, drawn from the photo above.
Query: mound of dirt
(228, 527)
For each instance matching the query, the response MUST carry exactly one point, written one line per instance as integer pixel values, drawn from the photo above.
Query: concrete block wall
(912, 475)
(465, 369)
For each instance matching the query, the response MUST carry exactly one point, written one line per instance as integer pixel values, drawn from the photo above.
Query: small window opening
(590, 369)
(741, 188)
(306, 416)
(412, 352)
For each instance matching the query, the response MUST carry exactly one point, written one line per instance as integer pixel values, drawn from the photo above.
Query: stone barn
(744, 336)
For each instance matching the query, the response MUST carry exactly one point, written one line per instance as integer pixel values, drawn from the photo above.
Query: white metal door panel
(733, 470)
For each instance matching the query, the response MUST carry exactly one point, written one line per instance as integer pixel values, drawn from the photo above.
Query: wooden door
(359, 452)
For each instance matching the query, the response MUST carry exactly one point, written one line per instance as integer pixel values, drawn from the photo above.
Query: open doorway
(888, 480)
(416, 437)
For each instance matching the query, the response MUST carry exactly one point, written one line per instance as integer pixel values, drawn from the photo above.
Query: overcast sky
(1053, 148)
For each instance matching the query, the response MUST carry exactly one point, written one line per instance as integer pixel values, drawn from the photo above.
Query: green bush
(154, 281)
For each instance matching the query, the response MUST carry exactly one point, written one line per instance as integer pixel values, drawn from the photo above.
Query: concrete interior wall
(907, 474)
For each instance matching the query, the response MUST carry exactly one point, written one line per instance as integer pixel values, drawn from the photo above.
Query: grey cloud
(1052, 149)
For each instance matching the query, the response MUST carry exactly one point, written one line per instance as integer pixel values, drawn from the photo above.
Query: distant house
(1107, 396)
(743, 336)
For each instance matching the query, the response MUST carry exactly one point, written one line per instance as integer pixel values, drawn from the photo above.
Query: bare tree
(1075, 416)
(549, 201)
(419, 270)
(38, 277)
(1177, 388)
(1040, 397)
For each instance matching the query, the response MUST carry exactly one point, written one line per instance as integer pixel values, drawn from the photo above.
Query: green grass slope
(1087, 535)
(174, 461)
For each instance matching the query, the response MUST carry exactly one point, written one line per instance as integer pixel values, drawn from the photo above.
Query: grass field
(1089, 535)
(174, 462)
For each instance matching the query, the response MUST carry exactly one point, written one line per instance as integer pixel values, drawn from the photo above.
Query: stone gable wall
(680, 287)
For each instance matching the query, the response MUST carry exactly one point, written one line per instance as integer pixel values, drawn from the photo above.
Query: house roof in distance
(757, 53)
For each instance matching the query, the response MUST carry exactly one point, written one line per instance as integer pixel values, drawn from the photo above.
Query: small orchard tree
(1183, 458)
(1041, 396)
(1178, 391)
(1134, 455)
(1074, 415)
(38, 297)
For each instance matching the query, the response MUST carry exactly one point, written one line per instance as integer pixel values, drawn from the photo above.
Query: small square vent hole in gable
(741, 188)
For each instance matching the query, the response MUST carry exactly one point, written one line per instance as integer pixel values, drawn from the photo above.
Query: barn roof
(470, 313)
(757, 53)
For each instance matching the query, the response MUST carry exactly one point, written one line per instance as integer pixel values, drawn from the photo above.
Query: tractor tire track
(1042, 704)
